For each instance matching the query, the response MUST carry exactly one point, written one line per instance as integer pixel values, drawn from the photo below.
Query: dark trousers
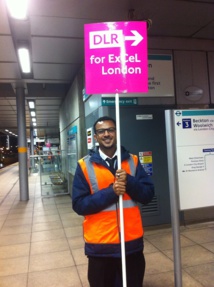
(107, 272)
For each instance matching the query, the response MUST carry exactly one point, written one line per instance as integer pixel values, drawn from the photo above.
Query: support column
(22, 144)
(32, 149)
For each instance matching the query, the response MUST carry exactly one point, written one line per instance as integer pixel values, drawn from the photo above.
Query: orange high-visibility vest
(103, 227)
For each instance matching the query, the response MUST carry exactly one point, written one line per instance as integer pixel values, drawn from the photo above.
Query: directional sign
(194, 146)
(116, 59)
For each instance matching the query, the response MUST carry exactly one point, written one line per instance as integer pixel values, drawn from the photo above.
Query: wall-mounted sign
(116, 59)
(161, 84)
(72, 149)
(144, 117)
(145, 158)
(122, 101)
(194, 137)
(90, 141)
(72, 130)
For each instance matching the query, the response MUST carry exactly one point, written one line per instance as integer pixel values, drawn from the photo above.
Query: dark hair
(102, 119)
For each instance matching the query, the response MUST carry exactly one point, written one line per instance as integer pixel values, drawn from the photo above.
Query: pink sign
(116, 59)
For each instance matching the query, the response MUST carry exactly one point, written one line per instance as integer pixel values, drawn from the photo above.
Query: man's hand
(120, 182)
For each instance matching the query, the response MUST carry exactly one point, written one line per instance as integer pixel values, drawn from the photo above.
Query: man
(97, 186)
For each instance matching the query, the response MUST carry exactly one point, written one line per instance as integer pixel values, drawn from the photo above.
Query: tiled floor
(41, 243)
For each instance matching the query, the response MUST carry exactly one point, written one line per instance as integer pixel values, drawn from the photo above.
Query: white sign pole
(122, 233)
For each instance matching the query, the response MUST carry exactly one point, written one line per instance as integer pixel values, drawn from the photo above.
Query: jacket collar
(95, 155)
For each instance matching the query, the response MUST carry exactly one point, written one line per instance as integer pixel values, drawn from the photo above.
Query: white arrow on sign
(112, 39)
(137, 38)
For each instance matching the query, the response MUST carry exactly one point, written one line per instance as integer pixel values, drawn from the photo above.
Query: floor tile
(193, 255)
(48, 200)
(164, 241)
(3, 217)
(7, 230)
(12, 251)
(46, 226)
(166, 279)
(44, 212)
(209, 246)
(46, 218)
(49, 261)
(72, 222)
(148, 247)
(200, 235)
(79, 256)
(83, 273)
(74, 231)
(63, 199)
(46, 207)
(21, 210)
(157, 262)
(19, 280)
(47, 235)
(63, 277)
(25, 215)
(71, 216)
(1, 223)
(63, 209)
(42, 247)
(76, 242)
(4, 211)
(13, 266)
(11, 239)
(18, 222)
(150, 230)
(203, 273)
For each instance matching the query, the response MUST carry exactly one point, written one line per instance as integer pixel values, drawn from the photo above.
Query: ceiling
(54, 32)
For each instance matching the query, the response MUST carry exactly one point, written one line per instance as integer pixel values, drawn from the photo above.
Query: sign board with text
(116, 59)
(194, 137)
(122, 101)
(161, 84)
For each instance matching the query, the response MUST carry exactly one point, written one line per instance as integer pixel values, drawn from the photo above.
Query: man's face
(106, 135)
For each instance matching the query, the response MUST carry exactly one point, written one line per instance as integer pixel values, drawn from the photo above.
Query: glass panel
(53, 173)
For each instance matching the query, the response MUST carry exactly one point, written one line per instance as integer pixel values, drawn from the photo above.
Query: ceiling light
(33, 114)
(31, 104)
(18, 9)
(34, 124)
(24, 58)
(34, 120)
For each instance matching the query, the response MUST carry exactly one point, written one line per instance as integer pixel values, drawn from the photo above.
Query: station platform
(41, 243)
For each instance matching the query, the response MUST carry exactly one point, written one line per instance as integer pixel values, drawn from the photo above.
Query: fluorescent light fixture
(33, 114)
(34, 120)
(31, 104)
(24, 58)
(17, 8)
(34, 124)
